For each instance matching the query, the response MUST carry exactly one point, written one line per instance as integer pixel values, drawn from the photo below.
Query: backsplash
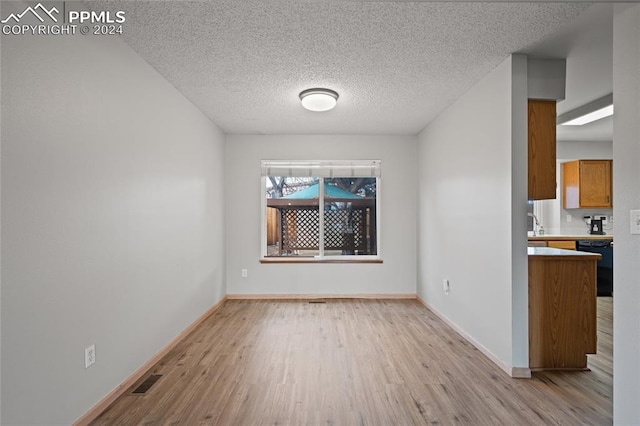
(557, 220)
(577, 225)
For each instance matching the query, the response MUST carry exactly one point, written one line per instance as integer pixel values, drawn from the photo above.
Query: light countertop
(564, 237)
(548, 252)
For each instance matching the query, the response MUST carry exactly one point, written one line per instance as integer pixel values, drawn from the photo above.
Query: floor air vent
(317, 301)
(146, 385)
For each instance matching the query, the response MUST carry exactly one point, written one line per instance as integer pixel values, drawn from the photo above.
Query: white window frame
(320, 169)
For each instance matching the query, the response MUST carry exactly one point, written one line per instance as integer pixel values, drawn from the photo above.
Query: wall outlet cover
(89, 356)
(635, 222)
(446, 286)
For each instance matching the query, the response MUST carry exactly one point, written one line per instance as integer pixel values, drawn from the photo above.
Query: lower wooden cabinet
(562, 309)
(567, 245)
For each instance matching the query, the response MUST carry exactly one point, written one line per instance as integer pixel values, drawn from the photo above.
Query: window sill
(314, 260)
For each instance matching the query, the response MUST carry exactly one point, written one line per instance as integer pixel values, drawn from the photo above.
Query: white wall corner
(515, 372)
(626, 175)
(519, 186)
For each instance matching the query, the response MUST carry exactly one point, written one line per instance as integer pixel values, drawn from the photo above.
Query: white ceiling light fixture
(591, 117)
(318, 99)
(600, 108)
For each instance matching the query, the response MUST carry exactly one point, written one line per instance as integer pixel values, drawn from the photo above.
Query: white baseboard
(515, 372)
(320, 296)
(104, 403)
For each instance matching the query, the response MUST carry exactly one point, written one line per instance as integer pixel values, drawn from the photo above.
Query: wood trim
(383, 296)
(515, 372)
(312, 260)
(119, 390)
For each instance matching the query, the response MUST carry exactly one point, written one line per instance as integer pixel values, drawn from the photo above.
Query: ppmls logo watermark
(59, 18)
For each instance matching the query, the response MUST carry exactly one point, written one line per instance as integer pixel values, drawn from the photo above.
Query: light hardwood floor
(355, 362)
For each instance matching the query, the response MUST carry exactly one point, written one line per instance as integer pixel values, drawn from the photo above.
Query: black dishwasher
(605, 265)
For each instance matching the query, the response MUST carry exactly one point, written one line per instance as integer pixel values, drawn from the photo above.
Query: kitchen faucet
(537, 223)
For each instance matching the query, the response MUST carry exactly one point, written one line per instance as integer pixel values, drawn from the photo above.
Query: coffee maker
(595, 227)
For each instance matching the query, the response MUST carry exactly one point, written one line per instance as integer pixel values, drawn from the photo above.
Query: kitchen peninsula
(562, 308)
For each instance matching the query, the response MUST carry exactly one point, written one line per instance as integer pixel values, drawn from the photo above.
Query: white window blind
(322, 168)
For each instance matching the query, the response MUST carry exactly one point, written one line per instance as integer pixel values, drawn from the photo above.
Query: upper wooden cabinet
(587, 184)
(542, 149)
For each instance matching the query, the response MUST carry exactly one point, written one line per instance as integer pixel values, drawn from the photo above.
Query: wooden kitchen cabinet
(562, 308)
(587, 184)
(542, 149)
(566, 245)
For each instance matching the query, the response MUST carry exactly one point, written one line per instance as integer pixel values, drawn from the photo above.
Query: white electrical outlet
(89, 356)
(446, 286)
(635, 222)
(244, 273)
(611, 220)
(569, 218)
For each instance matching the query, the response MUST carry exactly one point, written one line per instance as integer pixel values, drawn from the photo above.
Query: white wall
(0, 237)
(584, 150)
(472, 180)
(398, 190)
(112, 220)
(550, 212)
(626, 175)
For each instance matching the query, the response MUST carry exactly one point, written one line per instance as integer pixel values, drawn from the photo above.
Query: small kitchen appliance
(595, 227)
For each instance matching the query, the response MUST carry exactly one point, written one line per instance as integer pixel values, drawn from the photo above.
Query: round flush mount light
(318, 99)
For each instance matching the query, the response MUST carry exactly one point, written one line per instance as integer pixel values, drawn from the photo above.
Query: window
(321, 210)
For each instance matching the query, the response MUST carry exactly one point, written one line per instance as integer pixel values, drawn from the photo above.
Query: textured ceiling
(396, 65)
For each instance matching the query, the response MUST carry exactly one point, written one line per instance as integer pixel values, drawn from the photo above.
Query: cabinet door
(566, 245)
(571, 185)
(595, 183)
(542, 150)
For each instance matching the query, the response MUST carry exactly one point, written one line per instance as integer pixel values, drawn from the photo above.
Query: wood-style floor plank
(355, 362)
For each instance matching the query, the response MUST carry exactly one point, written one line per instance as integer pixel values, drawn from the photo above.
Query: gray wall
(472, 213)
(0, 236)
(112, 220)
(398, 190)
(584, 150)
(626, 176)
